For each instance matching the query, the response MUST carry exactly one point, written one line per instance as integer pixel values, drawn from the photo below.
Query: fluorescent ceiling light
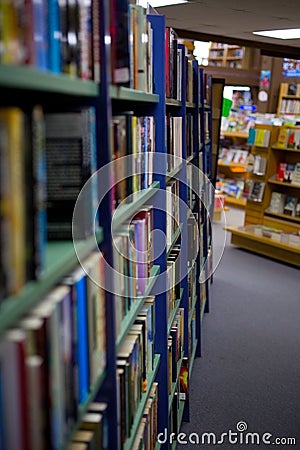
(158, 3)
(290, 33)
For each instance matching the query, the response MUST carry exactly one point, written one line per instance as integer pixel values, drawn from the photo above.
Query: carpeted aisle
(250, 369)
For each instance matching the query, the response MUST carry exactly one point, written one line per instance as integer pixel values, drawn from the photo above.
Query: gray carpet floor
(250, 368)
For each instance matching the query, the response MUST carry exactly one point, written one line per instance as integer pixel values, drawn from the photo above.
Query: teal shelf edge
(60, 260)
(179, 415)
(84, 407)
(190, 158)
(173, 102)
(136, 308)
(23, 77)
(175, 237)
(173, 172)
(139, 414)
(123, 93)
(192, 358)
(174, 311)
(202, 309)
(158, 446)
(190, 105)
(191, 312)
(171, 396)
(126, 211)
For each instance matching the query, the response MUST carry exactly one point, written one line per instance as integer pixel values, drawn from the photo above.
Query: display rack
(266, 230)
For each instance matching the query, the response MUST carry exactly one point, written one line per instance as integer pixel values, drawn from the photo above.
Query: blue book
(82, 335)
(251, 136)
(40, 34)
(54, 43)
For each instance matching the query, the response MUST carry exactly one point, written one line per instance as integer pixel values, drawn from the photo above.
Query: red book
(281, 169)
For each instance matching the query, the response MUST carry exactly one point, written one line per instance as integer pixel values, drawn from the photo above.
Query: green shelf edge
(125, 211)
(139, 414)
(174, 238)
(171, 396)
(192, 358)
(84, 407)
(173, 102)
(134, 311)
(22, 77)
(191, 312)
(190, 105)
(175, 171)
(124, 93)
(57, 266)
(202, 309)
(179, 417)
(174, 311)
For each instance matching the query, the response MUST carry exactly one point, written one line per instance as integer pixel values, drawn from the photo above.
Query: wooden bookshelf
(288, 102)
(259, 214)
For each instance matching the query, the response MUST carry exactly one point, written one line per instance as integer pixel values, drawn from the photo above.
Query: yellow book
(259, 138)
(282, 137)
(11, 33)
(12, 198)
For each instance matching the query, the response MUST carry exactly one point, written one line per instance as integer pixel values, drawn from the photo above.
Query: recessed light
(289, 33)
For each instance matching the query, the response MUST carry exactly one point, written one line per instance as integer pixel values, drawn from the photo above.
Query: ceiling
(234, 21)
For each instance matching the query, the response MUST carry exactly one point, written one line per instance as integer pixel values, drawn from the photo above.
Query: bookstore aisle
(250, 367)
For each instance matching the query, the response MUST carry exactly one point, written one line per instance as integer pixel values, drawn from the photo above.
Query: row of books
(51, 360)
(233, 154)
(284, 204)
(133, 259)
(133, 137)
(172, 210)
(146, 436)
(60, 36)
(274, 234)
(259, 165)
(236, 188)
(173, 278)
(192, 180)
(189, 135)
(288, 138)
(131, 46)
(135, 359)
(175, 348)
(288, 106)
(93, 430)
(46, 158)
(259, 137)
(174, 141)
(288, 172)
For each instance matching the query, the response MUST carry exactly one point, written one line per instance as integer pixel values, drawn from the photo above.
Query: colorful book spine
(54, 42)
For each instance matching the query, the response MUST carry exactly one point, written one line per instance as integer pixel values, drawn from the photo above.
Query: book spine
(54, 41)
(83, 361)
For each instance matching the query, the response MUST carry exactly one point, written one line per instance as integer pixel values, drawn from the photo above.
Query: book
(93, 422)
(277, 202)
(96, 314)
(282, 137)
(14, 389)
(54, 42)
(121, 38)
(290, 206)
(35, 198)
(85, 437)
(256, 191)
(71, 161)
(12, 200)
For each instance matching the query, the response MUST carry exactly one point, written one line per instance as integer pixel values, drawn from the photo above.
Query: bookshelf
(229, 167)
(230, 56)
(122, 318)
(271, 222)
(288, 99)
